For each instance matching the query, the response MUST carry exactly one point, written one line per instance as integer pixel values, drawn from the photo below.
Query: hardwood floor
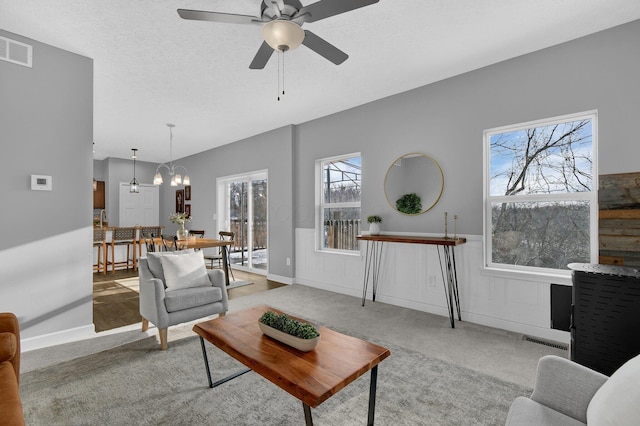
(115, 305)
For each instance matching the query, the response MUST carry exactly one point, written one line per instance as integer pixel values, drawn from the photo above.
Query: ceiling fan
(281, 22)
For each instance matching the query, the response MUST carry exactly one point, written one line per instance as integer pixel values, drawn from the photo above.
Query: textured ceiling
(151, 67)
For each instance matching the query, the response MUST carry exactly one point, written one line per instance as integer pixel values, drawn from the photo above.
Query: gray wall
(46, 122)
(271, 151)
(46, 127)
(446, 120)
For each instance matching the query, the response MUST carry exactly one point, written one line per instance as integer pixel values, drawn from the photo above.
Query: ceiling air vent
(15, 52)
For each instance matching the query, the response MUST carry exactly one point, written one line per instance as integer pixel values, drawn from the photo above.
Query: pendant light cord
(279, 79)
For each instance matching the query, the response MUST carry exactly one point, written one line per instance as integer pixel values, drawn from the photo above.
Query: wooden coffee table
(312, 377)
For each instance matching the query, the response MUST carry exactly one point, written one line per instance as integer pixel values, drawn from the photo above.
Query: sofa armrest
(216, 276)
(566, 386)
(8, 346)
(9, 323)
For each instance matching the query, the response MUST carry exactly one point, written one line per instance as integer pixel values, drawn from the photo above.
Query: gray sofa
(561, 395)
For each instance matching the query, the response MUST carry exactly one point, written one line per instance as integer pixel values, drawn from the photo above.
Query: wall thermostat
(41, 183)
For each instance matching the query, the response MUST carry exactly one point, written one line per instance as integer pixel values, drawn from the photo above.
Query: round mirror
(413, 184)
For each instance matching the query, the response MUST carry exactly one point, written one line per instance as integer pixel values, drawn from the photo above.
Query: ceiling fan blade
(326, 8)
(324, 48)
(262, 57)
(279, 6)
(228, 18)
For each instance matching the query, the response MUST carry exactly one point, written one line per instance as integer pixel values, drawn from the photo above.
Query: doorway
(242, 209)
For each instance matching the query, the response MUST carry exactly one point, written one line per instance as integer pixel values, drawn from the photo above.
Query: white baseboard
(57, 338)
(280, 279)
(526, 329)
(554, 335)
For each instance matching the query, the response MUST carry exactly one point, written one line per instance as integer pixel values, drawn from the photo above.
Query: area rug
(138, 384)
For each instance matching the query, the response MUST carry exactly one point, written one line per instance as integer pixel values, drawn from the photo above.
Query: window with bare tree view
(540, 194)
(339, 205)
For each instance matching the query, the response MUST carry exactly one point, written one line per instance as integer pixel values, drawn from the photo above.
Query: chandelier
(176, 177)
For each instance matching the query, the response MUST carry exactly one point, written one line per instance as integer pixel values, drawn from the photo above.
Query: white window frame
(321, 205)
(591, 196)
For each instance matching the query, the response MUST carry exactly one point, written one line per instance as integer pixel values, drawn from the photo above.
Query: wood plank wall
(619, 219)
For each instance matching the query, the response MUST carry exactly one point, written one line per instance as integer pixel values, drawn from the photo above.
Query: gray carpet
(137, 384)
(435, 376)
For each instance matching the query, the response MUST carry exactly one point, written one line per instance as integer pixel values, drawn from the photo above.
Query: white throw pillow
(617, 402)
(154, 264)
(185, 271)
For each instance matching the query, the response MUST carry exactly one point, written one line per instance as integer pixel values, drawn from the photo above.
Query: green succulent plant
(374, 219)
(288, 325)
(409, 204)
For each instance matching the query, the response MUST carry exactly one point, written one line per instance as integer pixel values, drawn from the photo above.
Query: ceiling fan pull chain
(283, 73)
(278, 92)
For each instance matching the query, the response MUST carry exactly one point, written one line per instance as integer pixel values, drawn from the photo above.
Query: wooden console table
(447, 260)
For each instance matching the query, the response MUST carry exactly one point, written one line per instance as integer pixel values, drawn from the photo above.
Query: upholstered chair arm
(152, 305)
(566, 386)
(9, 323)
(216, 276)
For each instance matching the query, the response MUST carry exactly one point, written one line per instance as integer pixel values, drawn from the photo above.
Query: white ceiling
(151, 67)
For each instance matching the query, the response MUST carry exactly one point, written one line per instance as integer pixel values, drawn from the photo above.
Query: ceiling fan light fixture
(282, 35)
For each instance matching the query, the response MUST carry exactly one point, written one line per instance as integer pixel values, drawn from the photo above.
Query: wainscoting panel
(411, 277)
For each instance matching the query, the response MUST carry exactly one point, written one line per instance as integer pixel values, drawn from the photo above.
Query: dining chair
(146, 231)
(179, 244)
(164, 239)
(225, 236)
(148, 241)
(199, 234)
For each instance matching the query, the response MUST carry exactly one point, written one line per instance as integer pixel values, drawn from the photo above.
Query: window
(339, 192)
(540, 197)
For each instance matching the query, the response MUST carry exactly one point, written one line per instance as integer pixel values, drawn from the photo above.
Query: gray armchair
(561, 395)
(165, 307)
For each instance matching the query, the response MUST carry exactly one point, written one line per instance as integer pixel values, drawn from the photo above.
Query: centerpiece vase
(182, 233)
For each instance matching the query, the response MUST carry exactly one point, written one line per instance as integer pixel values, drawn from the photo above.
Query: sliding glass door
(243, 211)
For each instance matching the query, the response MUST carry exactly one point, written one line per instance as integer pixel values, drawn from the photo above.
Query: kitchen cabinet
(99, 196)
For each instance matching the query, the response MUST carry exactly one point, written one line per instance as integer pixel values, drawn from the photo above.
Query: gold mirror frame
(425, 199)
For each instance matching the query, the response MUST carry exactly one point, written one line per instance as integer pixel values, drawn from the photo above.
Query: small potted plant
(290, 331)
(374, 224)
